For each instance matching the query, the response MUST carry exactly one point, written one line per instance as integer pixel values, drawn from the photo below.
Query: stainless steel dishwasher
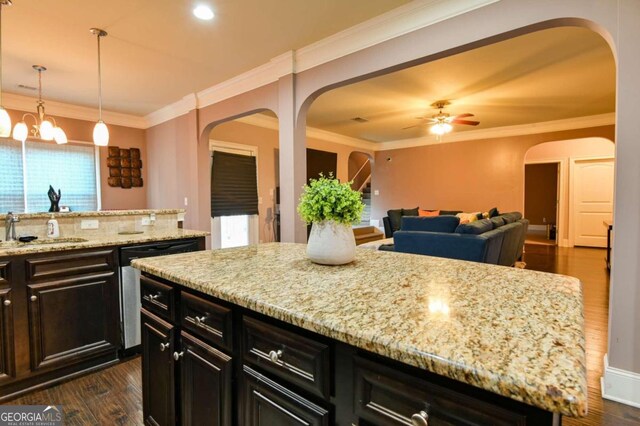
(130, 285)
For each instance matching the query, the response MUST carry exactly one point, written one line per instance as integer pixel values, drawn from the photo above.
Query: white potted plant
(331, 207)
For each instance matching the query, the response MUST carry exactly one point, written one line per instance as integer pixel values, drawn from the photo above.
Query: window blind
(234, 189)
(70, 168)
(11, 177)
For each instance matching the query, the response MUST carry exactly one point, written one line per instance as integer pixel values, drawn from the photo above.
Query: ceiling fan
(442, 122)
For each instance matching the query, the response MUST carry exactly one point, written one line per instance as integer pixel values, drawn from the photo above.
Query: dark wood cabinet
(206, 375)
(266, 403)
(72, 319)
(158, 371)
(7, 357)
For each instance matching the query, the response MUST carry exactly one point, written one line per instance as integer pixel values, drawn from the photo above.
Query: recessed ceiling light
(203, 12)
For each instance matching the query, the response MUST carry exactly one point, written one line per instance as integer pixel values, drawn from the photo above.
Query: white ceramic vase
(331, 243)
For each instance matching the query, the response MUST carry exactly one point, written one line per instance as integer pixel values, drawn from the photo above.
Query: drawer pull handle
(154, 296)
(163, 346)
(33, 298)
(177, 355)
(420, 419)
(274, 356)
(7, 302)
(200, 320)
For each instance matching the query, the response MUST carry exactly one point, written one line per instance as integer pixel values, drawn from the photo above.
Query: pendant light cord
(99, 82)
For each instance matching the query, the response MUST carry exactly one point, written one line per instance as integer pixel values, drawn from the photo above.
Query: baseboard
(537, 227)
(564, 242)
(620, 385)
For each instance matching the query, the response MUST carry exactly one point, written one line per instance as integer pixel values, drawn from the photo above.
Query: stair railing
(353, 179)
(366, 181)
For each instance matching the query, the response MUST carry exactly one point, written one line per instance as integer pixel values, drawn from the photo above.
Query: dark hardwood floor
(588, 265)
(113, 396)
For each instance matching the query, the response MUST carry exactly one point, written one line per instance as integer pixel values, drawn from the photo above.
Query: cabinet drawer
(158, 297)
(5, 272)
(206, 319)
(68, 265)
(387, 397)
(299, 360)
(268, 403)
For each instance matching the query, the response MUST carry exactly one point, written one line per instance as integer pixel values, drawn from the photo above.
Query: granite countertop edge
(101, 213)
(509, 386)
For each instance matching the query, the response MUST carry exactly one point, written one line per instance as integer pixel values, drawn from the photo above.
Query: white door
(234, 231)
(592, 184)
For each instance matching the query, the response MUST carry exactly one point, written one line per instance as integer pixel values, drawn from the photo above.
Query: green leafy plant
(326, 198)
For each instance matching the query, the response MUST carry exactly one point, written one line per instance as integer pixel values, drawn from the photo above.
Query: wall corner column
(292, 160)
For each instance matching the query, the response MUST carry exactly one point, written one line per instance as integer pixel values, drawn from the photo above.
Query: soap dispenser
(53, 229)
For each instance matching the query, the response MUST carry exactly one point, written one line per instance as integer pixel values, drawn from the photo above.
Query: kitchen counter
(44, 245)
(513, 332)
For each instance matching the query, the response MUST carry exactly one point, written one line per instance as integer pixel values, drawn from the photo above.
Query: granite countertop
(73, 243)
(47, 215)
(514, 332)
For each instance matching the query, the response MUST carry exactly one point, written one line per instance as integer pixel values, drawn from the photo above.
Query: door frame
(572, 166)
(562, 218)
(254, 223)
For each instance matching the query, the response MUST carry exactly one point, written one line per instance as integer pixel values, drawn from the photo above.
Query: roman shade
(234, 188)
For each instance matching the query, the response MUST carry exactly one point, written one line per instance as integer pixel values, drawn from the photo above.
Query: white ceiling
(544, 76)
(156, 51)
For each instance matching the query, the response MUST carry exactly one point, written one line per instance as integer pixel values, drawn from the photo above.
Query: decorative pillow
(497, 221)
(468, 217)
(476, 228)
(428, 213)
(494, 212)
(410, 212)
(395, 218)
(446, 224)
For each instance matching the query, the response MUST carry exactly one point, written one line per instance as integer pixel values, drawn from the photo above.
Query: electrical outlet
(376, 192)
(259, 200)
(544, 220)
(89, 224)
(186, 201)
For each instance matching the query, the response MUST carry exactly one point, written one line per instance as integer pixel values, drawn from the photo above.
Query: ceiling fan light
(440, 128)
(59, 136)
(46, 130)
(101, 134)
(20, 131)
(5, 123)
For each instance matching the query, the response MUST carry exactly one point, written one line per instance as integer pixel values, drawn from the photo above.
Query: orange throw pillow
(428, 213)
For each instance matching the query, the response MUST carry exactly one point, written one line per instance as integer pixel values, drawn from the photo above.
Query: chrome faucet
(10, 226)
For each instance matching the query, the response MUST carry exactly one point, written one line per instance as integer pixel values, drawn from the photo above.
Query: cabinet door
(7, 361)
(266, 403)
(72, 319)
(158, 374)
(206, 384)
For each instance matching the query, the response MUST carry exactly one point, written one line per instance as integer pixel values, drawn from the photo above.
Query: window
(28, 169)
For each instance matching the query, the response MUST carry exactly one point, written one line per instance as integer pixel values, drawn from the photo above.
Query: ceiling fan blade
(462, 115)
(467, 122)
(411, 127)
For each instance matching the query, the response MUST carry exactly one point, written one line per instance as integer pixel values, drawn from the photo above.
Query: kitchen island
(389, 339)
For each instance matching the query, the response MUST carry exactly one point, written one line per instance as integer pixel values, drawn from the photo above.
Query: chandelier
(44, 126)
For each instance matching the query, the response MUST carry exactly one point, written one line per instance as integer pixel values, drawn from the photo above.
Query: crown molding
(504, 132)
(61, 109)
(171, 111)
(402, 20)
(267, 122)
(397, 22)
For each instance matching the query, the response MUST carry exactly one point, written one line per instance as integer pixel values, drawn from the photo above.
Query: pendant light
(45, 126)
(5, 120)
(100, 131)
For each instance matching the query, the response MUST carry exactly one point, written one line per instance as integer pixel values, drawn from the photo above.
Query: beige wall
(267, 141)
(470, 176)
(123, 137)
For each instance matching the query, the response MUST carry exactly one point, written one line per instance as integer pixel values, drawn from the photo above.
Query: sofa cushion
(497, 221)
(446, 224)
(410, 212)
(476, 228)
(395, 219)
(449, 212)
(493, 212)
(511, 217)
(428, 213)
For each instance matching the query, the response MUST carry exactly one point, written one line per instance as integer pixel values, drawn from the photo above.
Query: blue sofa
(498, 240)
